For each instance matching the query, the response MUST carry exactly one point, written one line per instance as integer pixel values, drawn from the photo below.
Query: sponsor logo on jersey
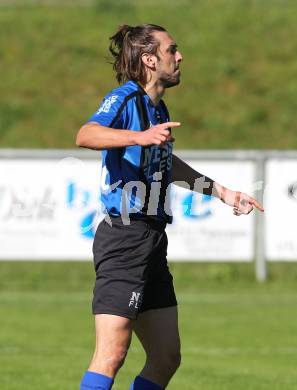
(157, 159)
(105, 107)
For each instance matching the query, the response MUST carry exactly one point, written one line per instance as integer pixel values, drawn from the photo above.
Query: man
(134, 289)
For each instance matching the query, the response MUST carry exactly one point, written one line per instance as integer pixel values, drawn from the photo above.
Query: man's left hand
(241, 202)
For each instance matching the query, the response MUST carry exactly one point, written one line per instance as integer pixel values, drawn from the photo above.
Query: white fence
(49, 207)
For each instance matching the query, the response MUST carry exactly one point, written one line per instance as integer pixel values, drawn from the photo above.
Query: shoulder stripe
(122, 106)
(144, 120)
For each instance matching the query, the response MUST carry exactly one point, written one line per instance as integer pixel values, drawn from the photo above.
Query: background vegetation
(239, 76)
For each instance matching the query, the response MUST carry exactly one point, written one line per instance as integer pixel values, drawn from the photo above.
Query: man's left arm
(185, 176)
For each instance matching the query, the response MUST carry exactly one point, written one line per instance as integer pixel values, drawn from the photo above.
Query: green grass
(238, 85)
(236, 334)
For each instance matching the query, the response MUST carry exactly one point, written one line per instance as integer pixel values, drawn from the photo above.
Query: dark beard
(169, 81)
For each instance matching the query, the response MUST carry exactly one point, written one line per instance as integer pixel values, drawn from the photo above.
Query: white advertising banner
(281, 210)
(204, 228)
(49, 209)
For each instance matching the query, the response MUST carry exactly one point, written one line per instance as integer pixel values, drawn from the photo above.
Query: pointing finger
(257, 204)
(170, 124)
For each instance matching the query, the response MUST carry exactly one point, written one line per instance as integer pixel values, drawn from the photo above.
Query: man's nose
(179, 57)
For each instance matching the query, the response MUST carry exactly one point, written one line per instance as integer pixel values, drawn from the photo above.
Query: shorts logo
(134, 300)
(107, 104)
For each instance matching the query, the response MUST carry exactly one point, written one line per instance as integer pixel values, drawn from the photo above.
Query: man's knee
(110, 362)
(167, 362)
(173, 360)
(116, 359)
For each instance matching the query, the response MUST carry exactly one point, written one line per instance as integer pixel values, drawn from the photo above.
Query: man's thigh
(158, 331)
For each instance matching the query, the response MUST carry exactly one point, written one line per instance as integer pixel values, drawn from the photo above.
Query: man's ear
(149, 60)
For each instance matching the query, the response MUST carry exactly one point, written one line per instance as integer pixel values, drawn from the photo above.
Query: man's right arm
(94, 136)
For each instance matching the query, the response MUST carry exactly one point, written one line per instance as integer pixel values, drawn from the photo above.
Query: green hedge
(239, 81)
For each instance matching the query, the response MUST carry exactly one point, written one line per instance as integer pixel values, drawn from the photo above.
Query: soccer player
(134, 289)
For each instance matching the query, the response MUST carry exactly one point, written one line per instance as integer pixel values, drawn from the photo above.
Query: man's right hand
(156, 135)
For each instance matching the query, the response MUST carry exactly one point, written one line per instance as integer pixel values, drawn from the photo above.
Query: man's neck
(155, 91)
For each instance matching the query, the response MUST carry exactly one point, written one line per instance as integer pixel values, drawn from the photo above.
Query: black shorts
(131, 268)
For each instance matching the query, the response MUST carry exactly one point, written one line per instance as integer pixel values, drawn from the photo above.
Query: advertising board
(281, 210)
(50, 208)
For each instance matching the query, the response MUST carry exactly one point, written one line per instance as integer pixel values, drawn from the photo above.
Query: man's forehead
(164, 38)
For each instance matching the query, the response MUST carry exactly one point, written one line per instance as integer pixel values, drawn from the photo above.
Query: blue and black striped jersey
(134, 179)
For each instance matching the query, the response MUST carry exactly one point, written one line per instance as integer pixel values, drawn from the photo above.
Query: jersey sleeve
(111, 112)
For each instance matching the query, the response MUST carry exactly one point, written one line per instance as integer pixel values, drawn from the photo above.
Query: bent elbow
(78, 141)
(87, 137)
(80, 138)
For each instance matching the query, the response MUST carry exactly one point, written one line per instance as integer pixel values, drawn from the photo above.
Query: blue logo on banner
(77, 198)
(189, 206)
(87, 225)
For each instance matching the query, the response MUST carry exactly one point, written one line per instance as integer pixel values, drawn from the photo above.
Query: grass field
(236, 334)
(238, 85)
